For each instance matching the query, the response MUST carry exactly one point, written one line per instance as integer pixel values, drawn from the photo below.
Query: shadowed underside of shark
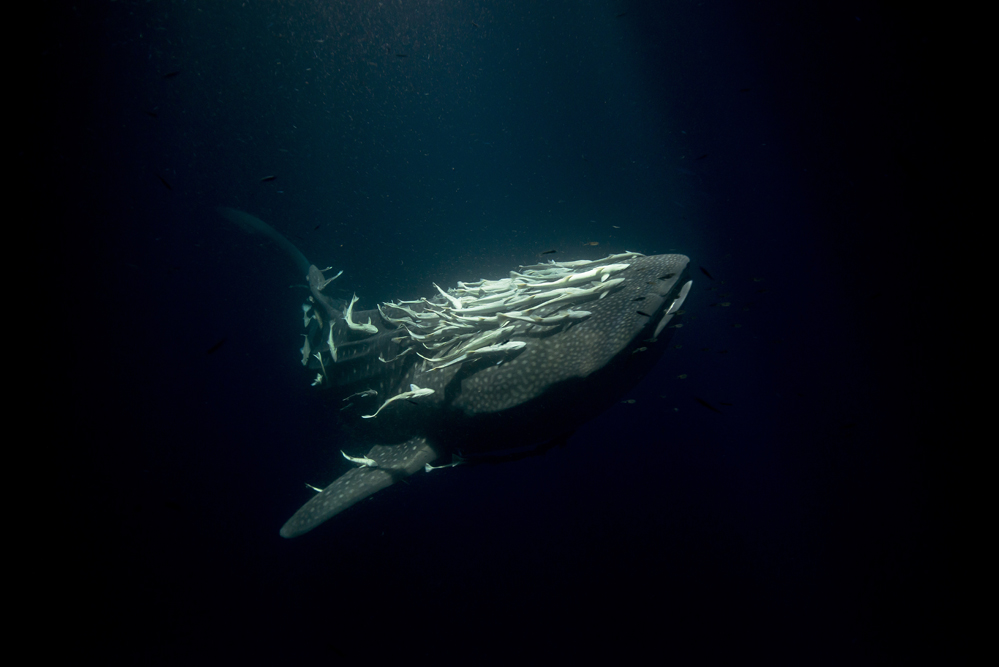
(481, 371)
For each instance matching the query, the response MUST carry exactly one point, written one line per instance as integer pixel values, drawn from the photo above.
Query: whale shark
(486, 371)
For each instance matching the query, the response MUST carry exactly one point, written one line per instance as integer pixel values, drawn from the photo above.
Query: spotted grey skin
(394, 463)
(561, 376)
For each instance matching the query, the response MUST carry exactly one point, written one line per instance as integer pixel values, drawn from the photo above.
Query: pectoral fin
(394, 462)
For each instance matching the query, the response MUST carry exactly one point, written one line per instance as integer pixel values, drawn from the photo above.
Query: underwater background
(769, 492)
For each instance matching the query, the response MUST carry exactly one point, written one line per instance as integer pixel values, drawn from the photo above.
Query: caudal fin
(253, 225)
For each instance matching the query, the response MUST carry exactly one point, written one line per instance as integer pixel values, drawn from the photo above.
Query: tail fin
(254, 225)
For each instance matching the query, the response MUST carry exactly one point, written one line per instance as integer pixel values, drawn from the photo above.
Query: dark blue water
(782, 146)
